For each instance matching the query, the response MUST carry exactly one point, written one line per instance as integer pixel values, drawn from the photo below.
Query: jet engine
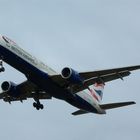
(72, 76)
(10, 88)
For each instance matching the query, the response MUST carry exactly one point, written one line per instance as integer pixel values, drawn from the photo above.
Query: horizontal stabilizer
(116, 105)
(80, 112)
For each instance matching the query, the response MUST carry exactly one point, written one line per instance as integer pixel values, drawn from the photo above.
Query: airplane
(83, 90)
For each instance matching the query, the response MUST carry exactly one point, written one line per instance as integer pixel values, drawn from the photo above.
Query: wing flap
(101, 79)
(2, 95)
(28, 90)
(116, 105)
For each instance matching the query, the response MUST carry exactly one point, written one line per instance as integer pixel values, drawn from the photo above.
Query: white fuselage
(15, 49)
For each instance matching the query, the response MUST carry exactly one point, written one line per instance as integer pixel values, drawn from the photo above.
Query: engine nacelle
(10, 88)
(72, 76)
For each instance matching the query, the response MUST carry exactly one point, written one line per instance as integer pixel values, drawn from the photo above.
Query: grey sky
(85, 35)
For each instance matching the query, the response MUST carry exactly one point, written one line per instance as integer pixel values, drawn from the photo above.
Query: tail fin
(99, 88)
(97, 91)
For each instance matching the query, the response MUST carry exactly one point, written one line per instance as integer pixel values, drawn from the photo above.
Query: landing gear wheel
(38, 106)
(34, 105)
(2, 69)
(41, 106)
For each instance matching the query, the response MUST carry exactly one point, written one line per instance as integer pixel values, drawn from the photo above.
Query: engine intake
(10, 88)
(5, 86)
(72, 76)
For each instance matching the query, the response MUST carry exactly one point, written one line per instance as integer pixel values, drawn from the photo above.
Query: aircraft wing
(99, 76)
(27, 90)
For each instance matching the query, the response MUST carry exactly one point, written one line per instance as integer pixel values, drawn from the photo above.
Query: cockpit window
(5, 39)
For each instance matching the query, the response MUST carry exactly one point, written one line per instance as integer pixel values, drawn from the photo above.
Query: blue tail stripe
(99, 92)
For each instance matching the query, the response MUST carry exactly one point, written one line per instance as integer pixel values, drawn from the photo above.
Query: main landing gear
(2, 69)
(38, 105)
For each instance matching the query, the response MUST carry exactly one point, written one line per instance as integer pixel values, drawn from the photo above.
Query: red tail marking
(93, 94)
